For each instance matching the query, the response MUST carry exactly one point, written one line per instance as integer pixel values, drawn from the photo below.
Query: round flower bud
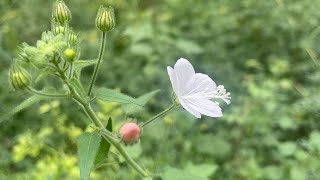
(61, 13)
(72, 38)
(105, 19)
(70, 54)
(58, 30)
(19, 78)
(130, 133)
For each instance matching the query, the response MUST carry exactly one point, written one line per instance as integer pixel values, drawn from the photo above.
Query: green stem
(164, 112)
(96, 68)
(106, 134)
(71, 70)
(30, 89)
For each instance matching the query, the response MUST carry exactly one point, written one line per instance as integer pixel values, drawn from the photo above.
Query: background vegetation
(264, 52)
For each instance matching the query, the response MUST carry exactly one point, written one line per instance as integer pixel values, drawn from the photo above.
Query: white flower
(196, 91)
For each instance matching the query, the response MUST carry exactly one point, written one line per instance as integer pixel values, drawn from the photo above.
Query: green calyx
(61, 13)
(72, 38)
(19, 78)
(105, 19)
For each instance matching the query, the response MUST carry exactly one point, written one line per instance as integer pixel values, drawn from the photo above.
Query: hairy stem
(164, 112)
(100, 57)
(106, 133)
(39, 93)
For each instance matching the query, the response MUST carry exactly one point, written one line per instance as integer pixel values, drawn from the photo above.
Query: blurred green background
(266, 53)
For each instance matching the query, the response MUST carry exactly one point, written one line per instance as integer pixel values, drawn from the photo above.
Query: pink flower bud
(130, 133)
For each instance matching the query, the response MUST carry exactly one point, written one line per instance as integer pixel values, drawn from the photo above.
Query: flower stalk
(100, 57)
(164, 112)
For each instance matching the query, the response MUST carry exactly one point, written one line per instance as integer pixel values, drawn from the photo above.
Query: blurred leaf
(212, 145)
(287, 148)
(104, 146)
(201, 170)
(78, 87)
(80, 64)
(44, 73)
(134, 150)
(26, 103)
(88, 146)
(114, 96)
(314, 139)
(188, 46)
(171, 173)
(132, 108)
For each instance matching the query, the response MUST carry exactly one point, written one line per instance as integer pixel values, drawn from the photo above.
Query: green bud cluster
(58, 30)
(19, 78)
(61, 13)
(105, 19)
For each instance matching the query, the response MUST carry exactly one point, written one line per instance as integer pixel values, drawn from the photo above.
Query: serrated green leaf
(104, 146)
(171, 173)
(132, 108)
(114, 96)
(78, 87)
(26, 103)
(88, 146)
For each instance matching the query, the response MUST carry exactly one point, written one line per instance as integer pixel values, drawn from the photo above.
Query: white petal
(173, 79)
(203, 86)
(185, 73)
(190, 108)
(205, 106)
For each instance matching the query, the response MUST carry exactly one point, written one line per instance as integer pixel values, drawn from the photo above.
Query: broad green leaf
(26, 103)
(201, 170)
(88, 146)
(114, 96)
(78, 65)
(132, 108)
(171, 173)
(104, 146)
(78, 87)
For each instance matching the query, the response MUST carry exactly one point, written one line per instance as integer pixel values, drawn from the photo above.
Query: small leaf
(113, 96)
(132, 108)
(26, 103)
(88, 145)
(80, 64)
(171, 173)
(104, 146)
(77, 85)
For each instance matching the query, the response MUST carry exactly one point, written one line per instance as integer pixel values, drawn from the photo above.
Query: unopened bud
(58, 30)
(23, 55)
(61, 12)
(72, 38)
(70, 54)
(19, 77)
(105, 19)
(130, 133)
